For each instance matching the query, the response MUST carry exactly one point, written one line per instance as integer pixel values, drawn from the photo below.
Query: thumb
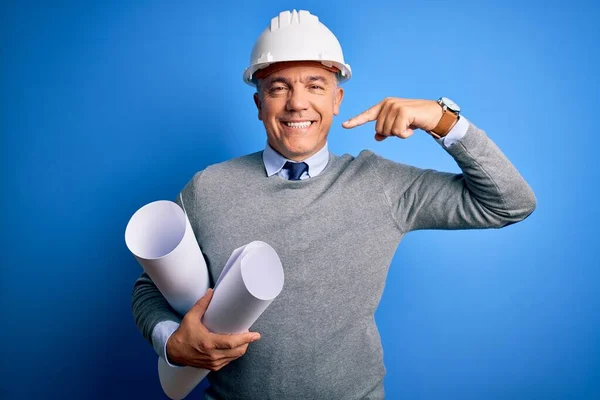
(202, 303)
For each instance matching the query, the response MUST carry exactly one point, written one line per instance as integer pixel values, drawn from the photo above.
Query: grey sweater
(336, 235)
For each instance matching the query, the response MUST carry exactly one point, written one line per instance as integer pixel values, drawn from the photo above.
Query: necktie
(295, 169)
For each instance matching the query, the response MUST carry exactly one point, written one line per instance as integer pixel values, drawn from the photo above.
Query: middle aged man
(335, 222)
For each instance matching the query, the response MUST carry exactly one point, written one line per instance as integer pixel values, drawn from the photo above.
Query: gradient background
(106, 107)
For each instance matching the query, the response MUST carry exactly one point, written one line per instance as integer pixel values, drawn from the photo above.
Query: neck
(296, 157)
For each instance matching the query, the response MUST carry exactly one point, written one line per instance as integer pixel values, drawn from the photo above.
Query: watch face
(451, 105)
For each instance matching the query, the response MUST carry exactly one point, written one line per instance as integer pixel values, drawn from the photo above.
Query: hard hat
(297, 36)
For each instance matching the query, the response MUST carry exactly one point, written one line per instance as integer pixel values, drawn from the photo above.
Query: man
(335, 222)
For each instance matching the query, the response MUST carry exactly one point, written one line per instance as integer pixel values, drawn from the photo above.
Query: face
(297, 105)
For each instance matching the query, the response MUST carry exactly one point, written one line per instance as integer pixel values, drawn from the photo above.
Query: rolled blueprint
(250, 281)
(161, 238)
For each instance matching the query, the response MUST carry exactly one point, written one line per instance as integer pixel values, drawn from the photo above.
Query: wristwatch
(450, 115)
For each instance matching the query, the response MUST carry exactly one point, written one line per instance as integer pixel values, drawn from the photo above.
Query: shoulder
(247, 161)
(369, 159)
(377, 161)
(350, 160)
(371, 165)
(230, 167)
(350, 167)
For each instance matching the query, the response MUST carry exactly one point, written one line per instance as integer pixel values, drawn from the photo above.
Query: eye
(316, 87)
(277, 89)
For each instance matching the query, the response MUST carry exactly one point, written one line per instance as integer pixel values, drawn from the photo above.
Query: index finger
(370, 115)
(233, 340)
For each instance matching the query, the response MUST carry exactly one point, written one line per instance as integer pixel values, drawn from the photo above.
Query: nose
(297, 100)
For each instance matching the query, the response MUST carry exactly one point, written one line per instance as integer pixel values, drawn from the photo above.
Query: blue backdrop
(107, 106)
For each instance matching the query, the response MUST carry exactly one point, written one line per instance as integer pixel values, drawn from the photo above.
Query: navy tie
(295, 169)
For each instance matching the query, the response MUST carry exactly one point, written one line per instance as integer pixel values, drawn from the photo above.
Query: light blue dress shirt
(274, 163)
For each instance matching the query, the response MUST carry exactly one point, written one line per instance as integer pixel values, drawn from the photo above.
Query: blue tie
(295, 169)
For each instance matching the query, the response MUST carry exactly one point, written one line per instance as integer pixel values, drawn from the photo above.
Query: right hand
(194, 345)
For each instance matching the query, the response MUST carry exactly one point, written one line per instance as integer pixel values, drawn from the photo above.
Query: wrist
(172, 349)
(434, 114)
(450, 113)
(453, 125)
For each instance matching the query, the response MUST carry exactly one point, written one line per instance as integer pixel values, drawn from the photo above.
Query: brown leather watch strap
(446, 123)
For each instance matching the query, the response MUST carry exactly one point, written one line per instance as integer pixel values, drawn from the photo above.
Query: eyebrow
(311, 78)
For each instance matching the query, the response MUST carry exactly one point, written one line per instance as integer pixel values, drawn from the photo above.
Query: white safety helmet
(296, 36)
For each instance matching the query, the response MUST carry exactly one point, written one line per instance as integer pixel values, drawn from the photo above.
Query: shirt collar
(274, 161)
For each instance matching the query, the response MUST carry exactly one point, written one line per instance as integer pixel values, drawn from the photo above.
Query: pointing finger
(370, 115)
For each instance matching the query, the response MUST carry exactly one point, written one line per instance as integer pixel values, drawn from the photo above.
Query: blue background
(107, 106)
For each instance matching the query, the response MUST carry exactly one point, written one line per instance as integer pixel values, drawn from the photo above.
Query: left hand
(399, 117)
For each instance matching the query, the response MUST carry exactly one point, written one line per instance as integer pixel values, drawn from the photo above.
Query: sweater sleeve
(149, 306)
(489, 193)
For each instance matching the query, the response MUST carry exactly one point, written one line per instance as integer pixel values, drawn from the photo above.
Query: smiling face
(297, 104)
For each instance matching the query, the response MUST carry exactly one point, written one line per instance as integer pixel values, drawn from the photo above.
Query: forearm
(149, 307)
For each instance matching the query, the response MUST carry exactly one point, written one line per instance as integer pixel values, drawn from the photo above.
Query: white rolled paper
(161, 238)
(250, 281)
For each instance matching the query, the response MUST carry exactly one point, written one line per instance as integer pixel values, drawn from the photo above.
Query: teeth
(304, 124)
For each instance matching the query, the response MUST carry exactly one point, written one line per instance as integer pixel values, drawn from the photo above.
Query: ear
(258, 105)
(337, 100)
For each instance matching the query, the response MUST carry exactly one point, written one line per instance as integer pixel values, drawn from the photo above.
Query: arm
(149, 306)
(187, 341)
(184, 341)
(490, 192)
(153, 315)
